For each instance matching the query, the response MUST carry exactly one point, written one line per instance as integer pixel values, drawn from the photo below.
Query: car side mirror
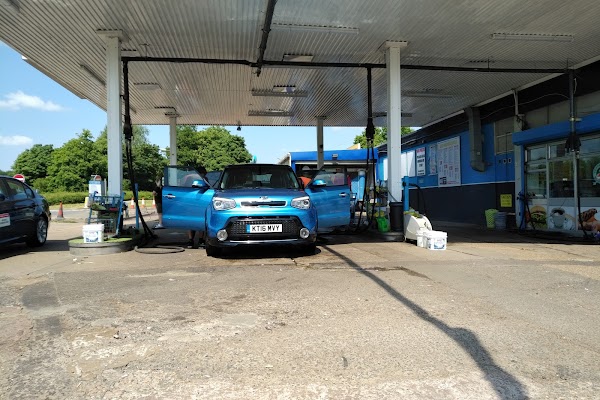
(318, 183)
(199, 184)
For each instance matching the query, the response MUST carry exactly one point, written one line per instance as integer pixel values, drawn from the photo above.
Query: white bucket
(93, 233)
(435, 240)
(420, 238)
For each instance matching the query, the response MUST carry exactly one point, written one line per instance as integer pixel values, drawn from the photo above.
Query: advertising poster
(448, 154)
(433, 159)
(421, 161)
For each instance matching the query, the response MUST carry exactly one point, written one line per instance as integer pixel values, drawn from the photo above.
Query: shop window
(557, 150)
(589, 168)
(503, 131)
(536, 183)
(560, 175)
(536, 154)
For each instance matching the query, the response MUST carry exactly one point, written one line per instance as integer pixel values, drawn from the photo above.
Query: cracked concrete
(493, 317)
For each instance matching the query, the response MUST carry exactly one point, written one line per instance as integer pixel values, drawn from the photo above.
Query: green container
(489, 217)
(382, 224)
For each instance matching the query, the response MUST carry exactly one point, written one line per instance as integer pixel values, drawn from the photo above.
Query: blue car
(254, 204)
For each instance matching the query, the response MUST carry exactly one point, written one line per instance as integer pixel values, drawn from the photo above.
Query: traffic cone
(154, 203)
(143, 202)
(132, 203)
(60, 212)
(86, 202)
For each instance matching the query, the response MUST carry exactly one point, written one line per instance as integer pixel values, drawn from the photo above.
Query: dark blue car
(254, 204)
(24, 214)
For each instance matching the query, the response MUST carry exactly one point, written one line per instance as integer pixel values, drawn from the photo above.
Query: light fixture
(269, 113)
(547, 37)
(298, 57)
(426, 93)
(147, 86)
(11, 5)
(315, 28)
(379, 114)
(92, 74)
(239, 128)
(280, 91)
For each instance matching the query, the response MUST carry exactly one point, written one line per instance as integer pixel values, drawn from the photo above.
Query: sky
(36, 110)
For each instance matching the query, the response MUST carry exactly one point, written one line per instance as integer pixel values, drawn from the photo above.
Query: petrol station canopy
(285, 62)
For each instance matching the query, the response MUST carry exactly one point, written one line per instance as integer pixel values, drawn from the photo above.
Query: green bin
(489, 217)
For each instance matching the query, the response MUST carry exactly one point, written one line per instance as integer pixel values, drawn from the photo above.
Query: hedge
(79, 197)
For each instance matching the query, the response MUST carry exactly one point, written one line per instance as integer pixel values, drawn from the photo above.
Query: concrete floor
(495, 316)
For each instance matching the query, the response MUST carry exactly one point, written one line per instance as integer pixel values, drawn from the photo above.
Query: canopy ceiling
(58, 37)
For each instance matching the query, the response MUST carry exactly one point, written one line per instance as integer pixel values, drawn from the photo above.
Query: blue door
(185, 197)
(330, 193)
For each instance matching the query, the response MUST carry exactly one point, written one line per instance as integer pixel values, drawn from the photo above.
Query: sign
(596, 174)
(421, 161)
(4, 220)
(506, 200)
(432, 159)
(20, 177)
(448, 156)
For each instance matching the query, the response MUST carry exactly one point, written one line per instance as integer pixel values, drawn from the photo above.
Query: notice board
(448, 155)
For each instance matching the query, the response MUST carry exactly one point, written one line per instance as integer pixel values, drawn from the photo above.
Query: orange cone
(132, 203)
(154, 203)
(143, 202)
(60, 212)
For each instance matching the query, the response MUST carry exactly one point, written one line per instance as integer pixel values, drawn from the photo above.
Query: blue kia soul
(255, 204)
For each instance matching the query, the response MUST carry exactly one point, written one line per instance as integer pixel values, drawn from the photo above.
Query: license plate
(264, 228)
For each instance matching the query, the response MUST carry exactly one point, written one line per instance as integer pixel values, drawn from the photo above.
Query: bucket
(500, 220)
(93, 233)
(420, 238)
(489, 217)
(382, 224)
(435, 240)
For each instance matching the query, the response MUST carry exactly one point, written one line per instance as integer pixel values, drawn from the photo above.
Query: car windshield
(259, 176)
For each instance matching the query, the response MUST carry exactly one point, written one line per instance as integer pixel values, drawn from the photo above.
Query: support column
(172, 138)
(394, 139)
(320, 154)
(113, 111)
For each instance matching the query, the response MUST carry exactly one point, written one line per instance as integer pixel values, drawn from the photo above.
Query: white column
(320, 155)
(113, 111)
(172, 138)
(392, 56)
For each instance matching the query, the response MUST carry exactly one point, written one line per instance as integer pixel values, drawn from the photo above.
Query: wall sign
(433, 159)
(448, 154)
(421, 161)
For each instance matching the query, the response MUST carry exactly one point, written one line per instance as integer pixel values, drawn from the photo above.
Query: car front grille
(290, 228)
(263, 203)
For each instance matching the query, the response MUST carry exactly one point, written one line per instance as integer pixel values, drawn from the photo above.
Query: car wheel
(40, 235)
(212, 251)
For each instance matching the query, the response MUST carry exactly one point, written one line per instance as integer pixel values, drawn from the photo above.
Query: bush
(79, 197)
(66, 197)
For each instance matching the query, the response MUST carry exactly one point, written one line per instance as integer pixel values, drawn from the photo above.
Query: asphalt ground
(495, 316)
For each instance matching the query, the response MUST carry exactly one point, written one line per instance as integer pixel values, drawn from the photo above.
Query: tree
(380, 136)
(33, 162)
(72, 164)
(213, 147)
(148, 162)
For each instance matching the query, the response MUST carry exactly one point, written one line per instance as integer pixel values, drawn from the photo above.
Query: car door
(23, 207)
(7, 228)
(184, 206)
(330, 193)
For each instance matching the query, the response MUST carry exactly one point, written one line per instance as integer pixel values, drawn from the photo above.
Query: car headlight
(220, 203)
(302, 203)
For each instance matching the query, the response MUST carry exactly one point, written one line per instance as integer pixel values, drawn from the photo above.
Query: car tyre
(212, 251)
(40, 235)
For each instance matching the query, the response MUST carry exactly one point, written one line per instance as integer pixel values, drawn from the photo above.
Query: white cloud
(15, 140)
(19, 100)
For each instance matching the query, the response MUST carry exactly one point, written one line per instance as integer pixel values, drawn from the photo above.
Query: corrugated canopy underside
(58, 36)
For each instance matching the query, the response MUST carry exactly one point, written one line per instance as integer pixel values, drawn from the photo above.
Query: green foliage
(214, 147)
(380, 136)
(54, 198)
(7, 172)
(72, 164)
(33, 162)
